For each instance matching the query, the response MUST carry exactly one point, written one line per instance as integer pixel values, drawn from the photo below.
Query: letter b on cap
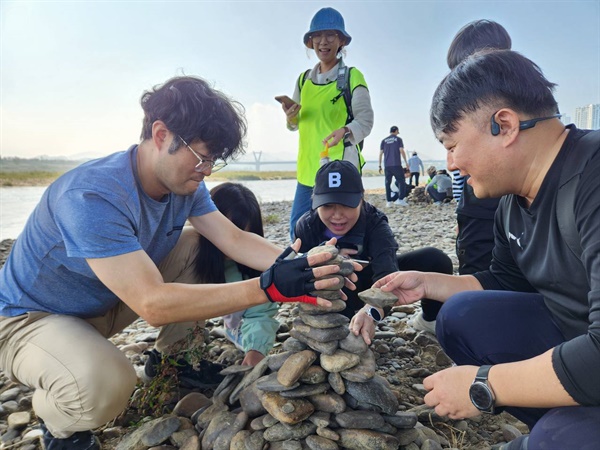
(335, 179)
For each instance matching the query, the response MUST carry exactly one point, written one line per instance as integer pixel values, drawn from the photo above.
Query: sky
(72, 72)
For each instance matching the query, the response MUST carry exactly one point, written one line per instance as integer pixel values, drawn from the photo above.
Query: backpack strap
(302, 79)
(343, 85)
(567, 187)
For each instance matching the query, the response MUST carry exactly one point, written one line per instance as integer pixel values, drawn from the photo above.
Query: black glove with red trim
(289, 279)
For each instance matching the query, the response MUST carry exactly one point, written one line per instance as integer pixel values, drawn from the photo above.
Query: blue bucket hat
(327, 19)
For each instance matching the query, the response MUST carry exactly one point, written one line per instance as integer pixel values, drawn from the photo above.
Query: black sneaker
(82, 440)
(207, 376)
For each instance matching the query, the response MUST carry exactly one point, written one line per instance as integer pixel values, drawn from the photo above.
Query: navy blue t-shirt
(391, 146)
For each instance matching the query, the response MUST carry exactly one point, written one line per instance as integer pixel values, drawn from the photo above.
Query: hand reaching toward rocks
(308, 279)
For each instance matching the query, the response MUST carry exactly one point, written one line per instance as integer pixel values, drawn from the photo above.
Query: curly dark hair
(193, 110)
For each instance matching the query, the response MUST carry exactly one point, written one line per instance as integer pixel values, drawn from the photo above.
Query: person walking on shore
(416, 168)
(523, 333)
(392, 152)
(85, 265)
(332, 108)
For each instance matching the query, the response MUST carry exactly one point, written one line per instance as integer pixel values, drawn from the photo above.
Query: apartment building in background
(588, 117)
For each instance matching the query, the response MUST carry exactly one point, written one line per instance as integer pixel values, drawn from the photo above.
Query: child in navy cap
(362, 231)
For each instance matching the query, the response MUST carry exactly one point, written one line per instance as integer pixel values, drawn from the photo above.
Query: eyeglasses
(318, 37)
(204, 164)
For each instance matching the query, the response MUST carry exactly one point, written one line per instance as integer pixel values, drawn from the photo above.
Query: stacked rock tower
(322, 392)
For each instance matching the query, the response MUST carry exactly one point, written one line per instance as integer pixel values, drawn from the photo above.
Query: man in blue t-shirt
(392, 150)
(85, 266)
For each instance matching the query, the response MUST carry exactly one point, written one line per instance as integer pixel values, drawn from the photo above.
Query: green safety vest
(317, 118)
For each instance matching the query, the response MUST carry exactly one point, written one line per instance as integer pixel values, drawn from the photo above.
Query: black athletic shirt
(532, 256)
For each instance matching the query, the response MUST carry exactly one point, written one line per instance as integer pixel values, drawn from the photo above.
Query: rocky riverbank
(403, 355)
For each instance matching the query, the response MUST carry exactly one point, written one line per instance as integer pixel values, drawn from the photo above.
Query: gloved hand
(288, 279)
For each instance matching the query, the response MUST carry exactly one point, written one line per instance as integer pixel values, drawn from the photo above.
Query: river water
(17, 203)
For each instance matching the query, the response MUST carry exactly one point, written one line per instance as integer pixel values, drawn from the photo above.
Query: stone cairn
(322, 392)
(418, 195)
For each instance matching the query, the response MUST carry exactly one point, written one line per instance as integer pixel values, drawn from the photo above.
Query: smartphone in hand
(286, 101)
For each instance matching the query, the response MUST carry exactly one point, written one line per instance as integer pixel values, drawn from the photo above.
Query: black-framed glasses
(204, 164)
(318, 37)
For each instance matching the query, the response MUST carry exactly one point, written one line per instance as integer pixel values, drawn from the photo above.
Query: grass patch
(271, 219)
(44, 178)
(28, 178)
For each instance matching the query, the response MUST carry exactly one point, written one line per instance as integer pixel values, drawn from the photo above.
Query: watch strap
(482, 373)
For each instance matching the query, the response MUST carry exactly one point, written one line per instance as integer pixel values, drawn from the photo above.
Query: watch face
(481, 396)
(375, 314)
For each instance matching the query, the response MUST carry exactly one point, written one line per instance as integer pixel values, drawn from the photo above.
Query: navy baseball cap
(338, 182)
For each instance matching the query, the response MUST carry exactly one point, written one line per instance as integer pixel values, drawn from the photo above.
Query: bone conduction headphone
(523, 125)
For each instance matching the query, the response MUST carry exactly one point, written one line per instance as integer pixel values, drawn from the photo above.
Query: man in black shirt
(525, 333)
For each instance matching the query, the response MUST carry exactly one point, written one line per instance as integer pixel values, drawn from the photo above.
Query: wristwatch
(373, 313)
(346, 132)
(481, 392)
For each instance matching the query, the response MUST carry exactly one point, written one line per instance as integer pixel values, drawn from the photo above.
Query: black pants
(428, 259)
(396, 172)
(416, 177)
(474, 244)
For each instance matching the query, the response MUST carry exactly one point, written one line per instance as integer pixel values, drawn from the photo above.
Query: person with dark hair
(416, 168)
(332, 108)
(195, 259)
(362, 231)
(474, 216)
(85, 265)
(525, 332)
(391, 150)
(476, 36)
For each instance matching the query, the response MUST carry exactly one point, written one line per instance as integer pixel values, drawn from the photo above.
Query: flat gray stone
(327, 348)
(314, 375)
(257, 371)
(353, 344)
(364, 370)
(269, 383)
(337, 383)
(320, 443)
(294, 367)
(375, 392)
(368, 420)
(321, 334)
(293, 345)
(339, 361)
(305, 390)
(367, 439)
(336, 306)
(402, 420)
(331, 320)
(331, 403)
(237, 368)
(276, 360)
(376, 297)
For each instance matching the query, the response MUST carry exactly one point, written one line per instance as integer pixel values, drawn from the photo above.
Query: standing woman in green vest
(323, 112)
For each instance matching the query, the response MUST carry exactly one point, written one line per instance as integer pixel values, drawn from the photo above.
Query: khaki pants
(81, 379)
